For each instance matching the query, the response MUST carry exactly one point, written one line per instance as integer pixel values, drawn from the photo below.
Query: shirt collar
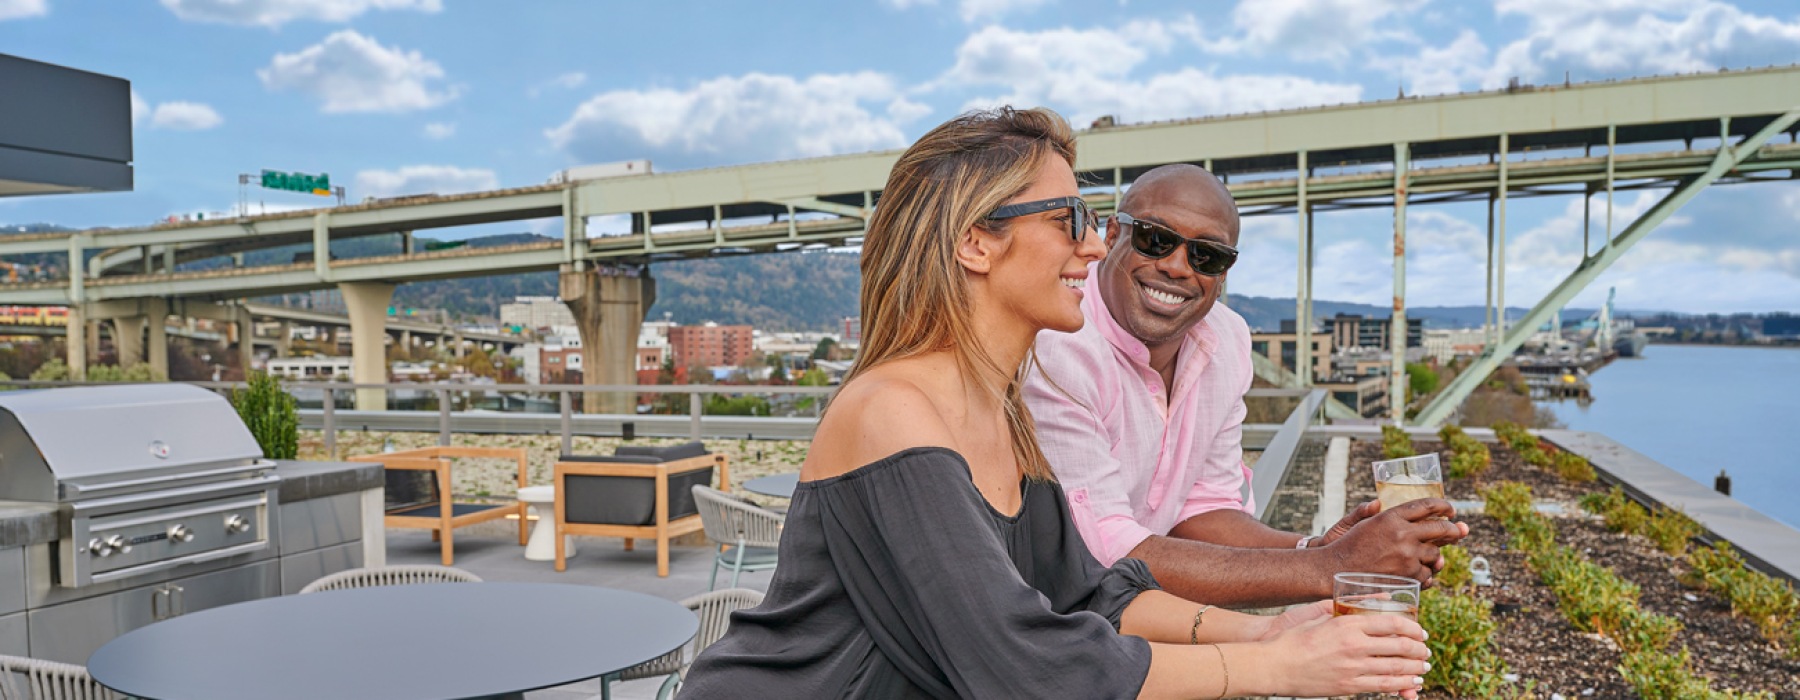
(1201, 337)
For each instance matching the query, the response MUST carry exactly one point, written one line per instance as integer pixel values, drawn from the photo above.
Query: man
(1141, 415)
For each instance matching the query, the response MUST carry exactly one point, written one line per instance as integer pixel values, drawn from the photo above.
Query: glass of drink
(1375, 594)
(1406, 479)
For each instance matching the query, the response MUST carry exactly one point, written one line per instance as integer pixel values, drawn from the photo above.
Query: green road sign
(297, 182)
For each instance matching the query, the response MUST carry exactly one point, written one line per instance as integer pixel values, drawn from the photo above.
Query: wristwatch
(1305, 541)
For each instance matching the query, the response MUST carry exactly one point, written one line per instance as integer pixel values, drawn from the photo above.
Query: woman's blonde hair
(915, 297)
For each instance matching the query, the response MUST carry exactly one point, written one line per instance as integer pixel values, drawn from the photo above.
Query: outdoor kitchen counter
(25, 523)
(305, 481)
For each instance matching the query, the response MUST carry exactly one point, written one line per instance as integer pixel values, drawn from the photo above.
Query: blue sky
(406, 96)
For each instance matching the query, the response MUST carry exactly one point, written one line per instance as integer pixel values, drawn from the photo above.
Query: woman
(928, 551)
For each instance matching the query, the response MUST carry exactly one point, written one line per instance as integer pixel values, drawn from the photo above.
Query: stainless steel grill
(147, 477)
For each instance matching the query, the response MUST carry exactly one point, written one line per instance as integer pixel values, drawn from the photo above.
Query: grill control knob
(237, 523)
(118, 544)
(98, 548)
(180, 533)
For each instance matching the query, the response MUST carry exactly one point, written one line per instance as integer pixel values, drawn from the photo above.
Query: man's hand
(1401, 542)
(1363, 512)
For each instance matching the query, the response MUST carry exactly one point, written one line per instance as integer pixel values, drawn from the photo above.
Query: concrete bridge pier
(128, 339)
(368, 305)
(75, 343)
(284, 340)
(157, 349)
(609, 305)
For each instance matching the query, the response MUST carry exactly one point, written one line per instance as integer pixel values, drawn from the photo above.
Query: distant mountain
(811, 290)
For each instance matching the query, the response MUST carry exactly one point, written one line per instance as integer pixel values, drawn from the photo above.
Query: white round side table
(542, 545)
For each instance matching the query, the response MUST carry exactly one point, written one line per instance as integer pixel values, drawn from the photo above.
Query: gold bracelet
(1194, 634)
(1226, 670)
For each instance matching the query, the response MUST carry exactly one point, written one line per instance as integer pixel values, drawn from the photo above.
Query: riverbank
(1704, 408)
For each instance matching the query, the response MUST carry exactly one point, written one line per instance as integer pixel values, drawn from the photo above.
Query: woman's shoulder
(874, 417)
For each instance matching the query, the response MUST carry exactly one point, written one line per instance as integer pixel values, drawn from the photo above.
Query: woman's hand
(1349, 655)
(1294, 617)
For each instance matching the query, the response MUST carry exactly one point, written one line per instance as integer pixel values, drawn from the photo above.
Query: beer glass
(1375, 594)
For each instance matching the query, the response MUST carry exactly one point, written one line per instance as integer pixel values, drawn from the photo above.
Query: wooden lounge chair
(419, 495)
(636, 492)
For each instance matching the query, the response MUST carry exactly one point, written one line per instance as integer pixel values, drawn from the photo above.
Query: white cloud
(746, 118)
(438, 131)
(566, 81)
(274, 13)
(1314, 30)
(1087, 73)
(423, 179)
(977, 10)
(19, 9)
(1603, 39)
(139, 108)
(185, 116)
(349, 72)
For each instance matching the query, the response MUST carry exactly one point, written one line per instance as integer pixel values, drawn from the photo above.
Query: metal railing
(566, 423)
(1279, 454)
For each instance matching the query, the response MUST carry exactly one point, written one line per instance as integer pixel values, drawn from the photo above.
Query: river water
(1699, 409)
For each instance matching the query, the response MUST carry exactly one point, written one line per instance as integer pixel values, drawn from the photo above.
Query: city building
(1357, 331)
(1367, 395)
(560, 364)
(711, 345)
(852, 331)
(1287, 342)
(317, 368)
(533, 313)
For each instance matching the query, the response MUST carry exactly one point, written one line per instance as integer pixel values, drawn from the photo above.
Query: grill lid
(96, 435)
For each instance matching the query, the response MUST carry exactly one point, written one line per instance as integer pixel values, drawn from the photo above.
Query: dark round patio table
(779, 485)
(430, 642)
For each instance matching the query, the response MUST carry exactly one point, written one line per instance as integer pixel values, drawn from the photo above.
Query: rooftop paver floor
(602, 561)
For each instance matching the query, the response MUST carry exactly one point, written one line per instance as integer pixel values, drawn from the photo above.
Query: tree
(823, 350)
(1422, 379)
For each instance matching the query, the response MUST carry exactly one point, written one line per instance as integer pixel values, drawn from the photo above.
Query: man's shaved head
(1158, 300)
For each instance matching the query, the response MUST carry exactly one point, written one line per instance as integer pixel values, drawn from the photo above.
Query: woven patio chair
(714, 610)
(390, 576)
(751, 532)
(48, 680)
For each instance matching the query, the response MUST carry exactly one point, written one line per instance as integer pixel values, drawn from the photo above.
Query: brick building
(711, 345)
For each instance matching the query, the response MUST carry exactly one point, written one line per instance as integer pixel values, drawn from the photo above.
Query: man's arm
(1403, 542)
(1232, 528)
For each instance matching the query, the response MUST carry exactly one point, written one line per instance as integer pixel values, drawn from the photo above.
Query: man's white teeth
(1163, 296)
(1074, 282)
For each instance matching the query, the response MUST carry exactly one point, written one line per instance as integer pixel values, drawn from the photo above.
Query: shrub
(1395, 443)
(1531, 532)
(1465, 464)
(1462, 662)
(1507, 501)
(1622, 514)
(1455, 574)
(1660, 676)
(1671, 530)
(1574, 467)
(113, 373)
(1768, 602)
(52, 370)
(271, 415)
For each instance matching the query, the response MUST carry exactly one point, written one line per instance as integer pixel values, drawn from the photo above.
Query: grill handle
(85, 491)
(197, 558)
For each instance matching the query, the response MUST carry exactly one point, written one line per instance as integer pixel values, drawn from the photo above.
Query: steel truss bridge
(1679, 133)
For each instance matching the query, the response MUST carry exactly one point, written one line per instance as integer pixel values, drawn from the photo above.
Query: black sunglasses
(1081, 218)
(1156, 241)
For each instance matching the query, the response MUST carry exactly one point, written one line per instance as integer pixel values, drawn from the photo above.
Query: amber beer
(1407, 479)
(1404, 488)
(1375, 606)
(1374, 594)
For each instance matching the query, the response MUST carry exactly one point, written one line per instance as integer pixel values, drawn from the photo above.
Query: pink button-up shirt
(1134, 461)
